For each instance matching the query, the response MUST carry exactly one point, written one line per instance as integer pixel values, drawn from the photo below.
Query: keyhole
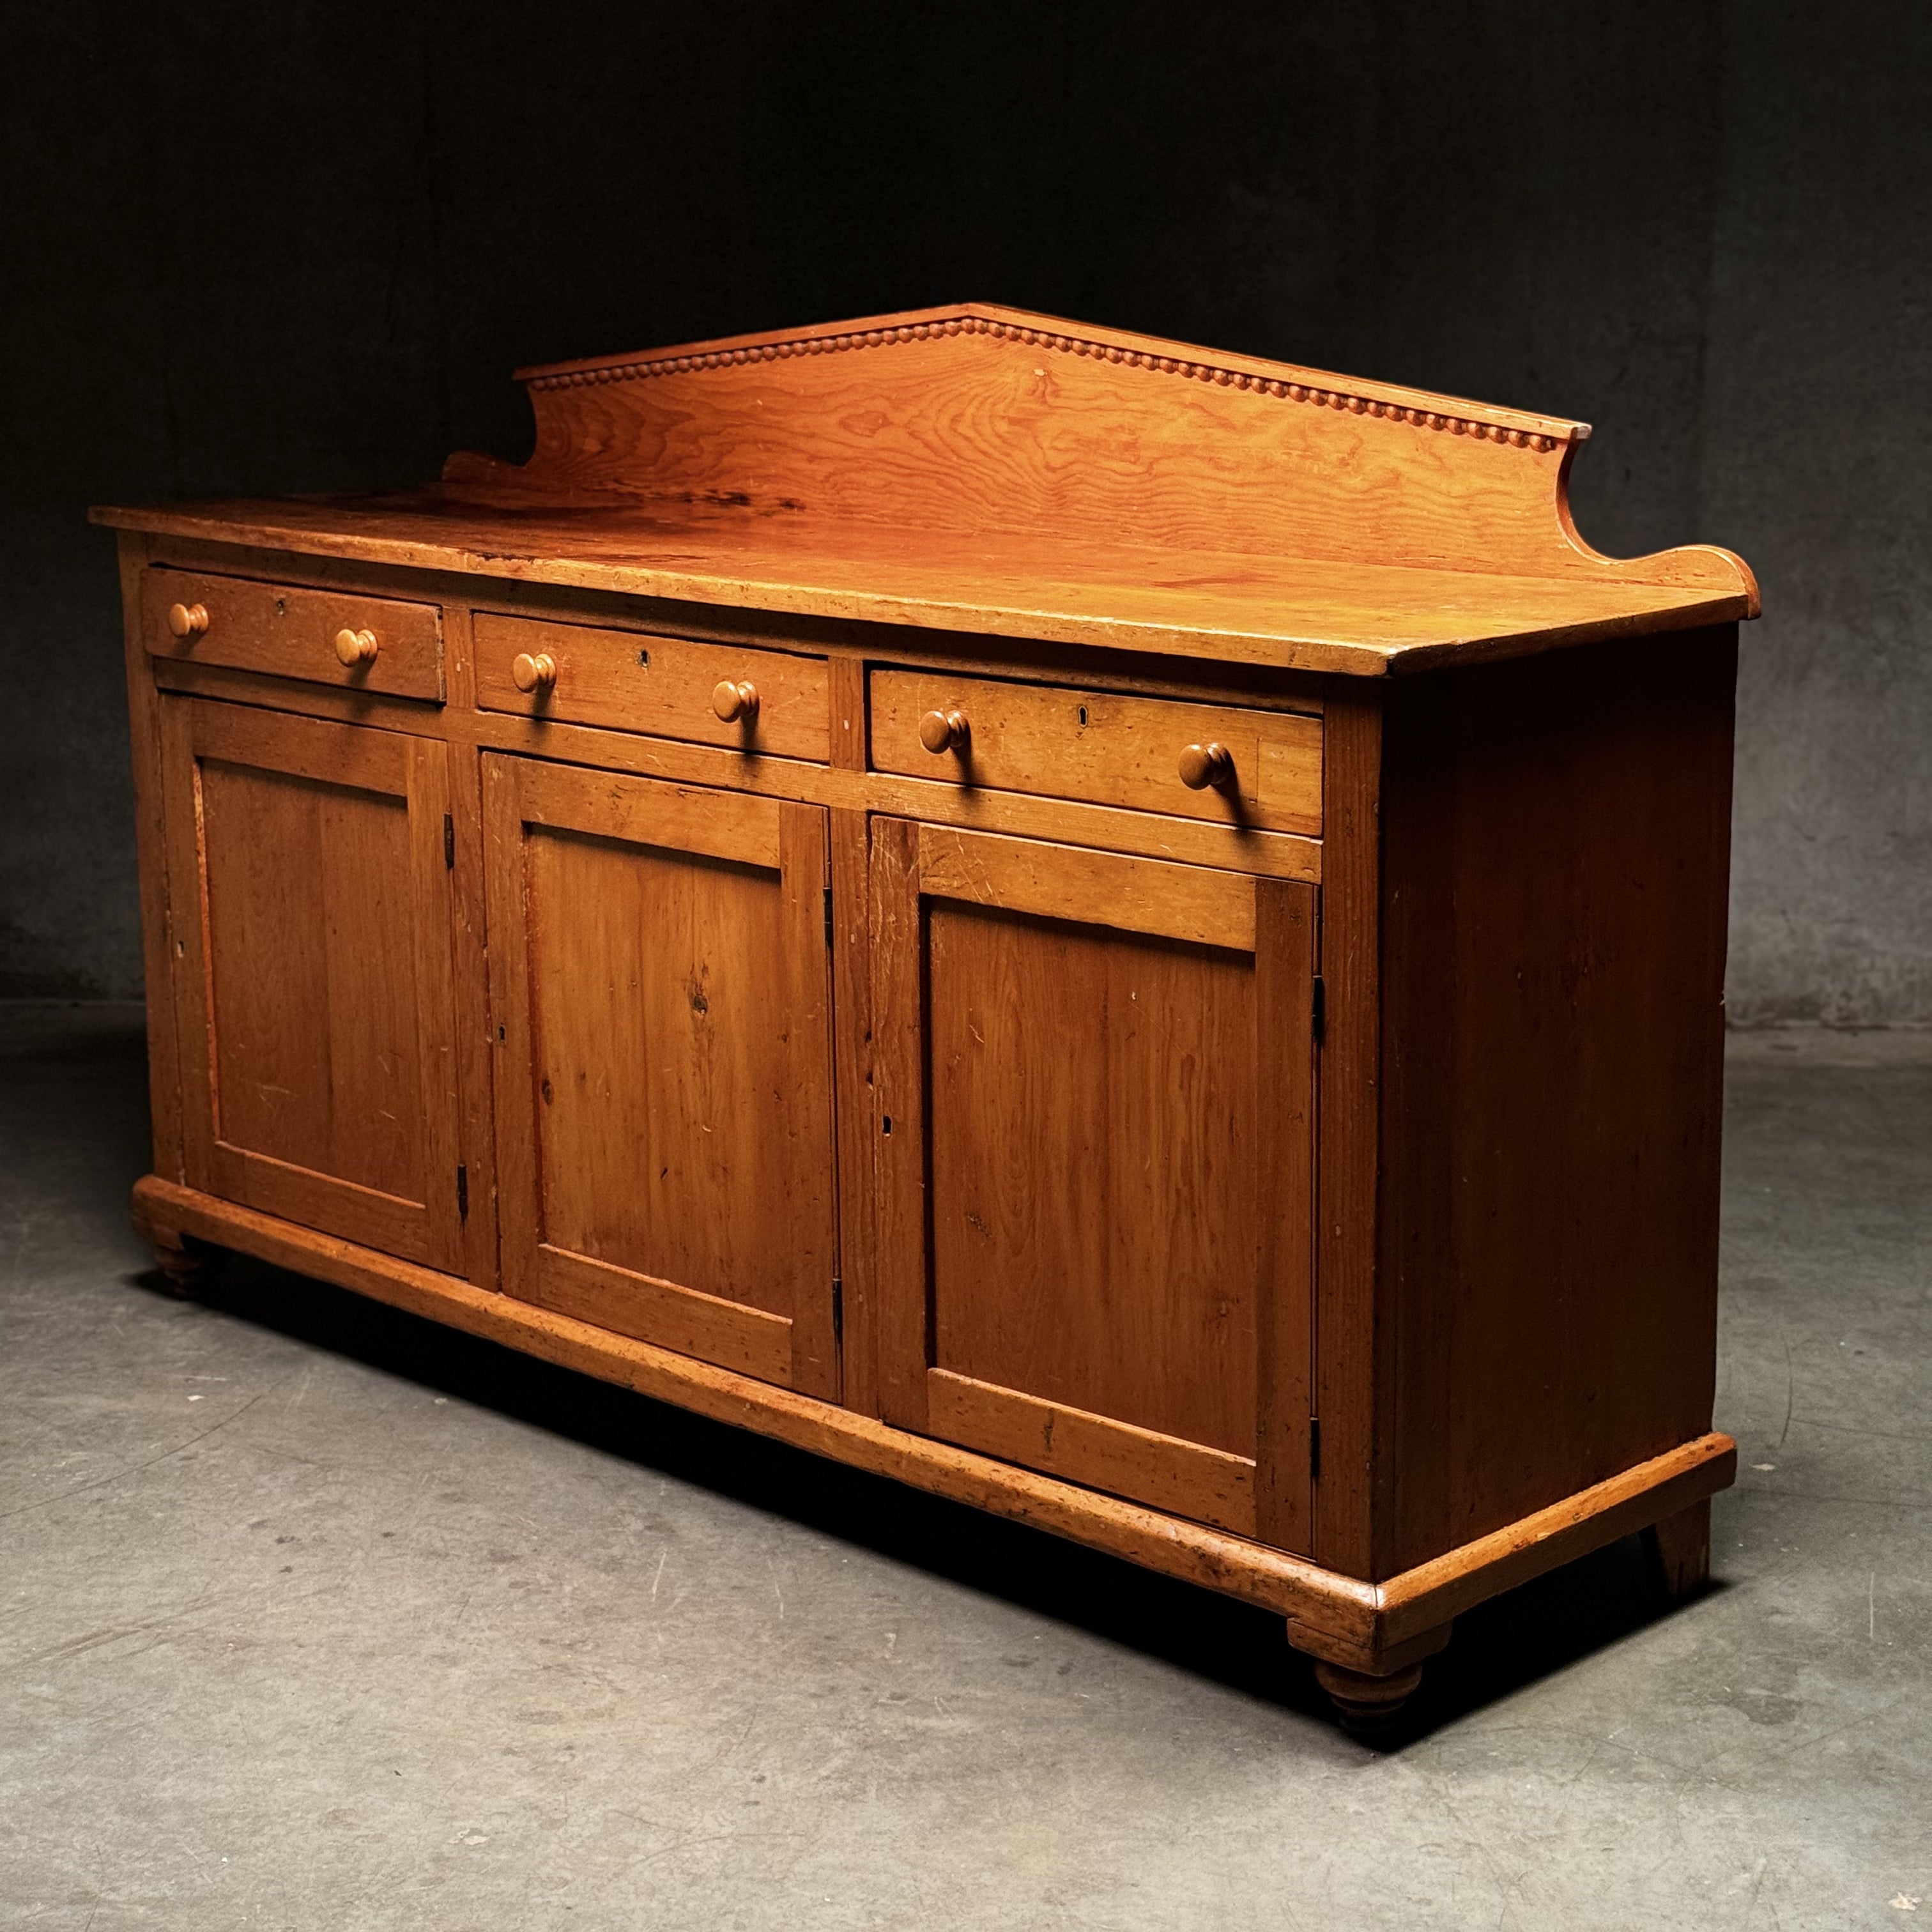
(1083, 714)
(643, 657)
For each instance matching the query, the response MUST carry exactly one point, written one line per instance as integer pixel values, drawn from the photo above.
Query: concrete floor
(314, 1615)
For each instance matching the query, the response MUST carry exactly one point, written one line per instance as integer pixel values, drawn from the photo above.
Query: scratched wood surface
(983, 470)
(1079, 1259)
(1105, 747)
(665, 1128)
(314, 993)
(696, 1035)
(290, 632)
(1365, 618)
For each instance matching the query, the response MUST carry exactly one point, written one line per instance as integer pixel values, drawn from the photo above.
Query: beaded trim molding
(975, 324)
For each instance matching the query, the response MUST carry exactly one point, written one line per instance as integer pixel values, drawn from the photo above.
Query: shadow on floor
(1500, 1648)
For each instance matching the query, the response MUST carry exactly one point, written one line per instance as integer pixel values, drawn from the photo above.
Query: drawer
(1104, 747)
(388, 646)
(665, 687)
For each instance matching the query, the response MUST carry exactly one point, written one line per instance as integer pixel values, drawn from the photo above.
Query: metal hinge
(463, 1193)
(449, 841)
(1317, 1013)
(837, 1309)
(828, 915)
(1314, 1447)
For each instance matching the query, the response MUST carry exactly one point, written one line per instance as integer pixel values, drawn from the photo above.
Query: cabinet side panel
(1556, 854)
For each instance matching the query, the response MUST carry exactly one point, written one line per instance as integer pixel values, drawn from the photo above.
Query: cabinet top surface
(980, 470)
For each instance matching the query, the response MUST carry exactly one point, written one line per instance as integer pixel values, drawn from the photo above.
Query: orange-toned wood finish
(665, 687)
(1130, 935)
(1076, 1056)
(1106, 748)
(363, 644)
(311, 889)
(664, 1096)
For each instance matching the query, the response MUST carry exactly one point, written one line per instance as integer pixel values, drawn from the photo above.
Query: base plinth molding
(1342, 1621)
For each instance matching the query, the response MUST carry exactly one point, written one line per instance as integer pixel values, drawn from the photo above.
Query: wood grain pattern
(1099, 1451)
(474, 1061)
(1072, 1209)
(1552, 1075)
(740, 830)
(901, 1248)
(1186, 841)
(1272, 854)
(1130, 895)
(314, 984)
(289, 632)
(1366, 619)
(1091, 1145)
(983, 418)
(637, 681)
(664, 1101)
(627, 1301)
(1428, 1595)
(1094, 1166)
(1056, 890)
(845, 682)
(852, 1113)
(1104, 747)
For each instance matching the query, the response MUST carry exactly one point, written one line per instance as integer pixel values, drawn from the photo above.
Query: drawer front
(1104, 747)
(664, 687)
(245, 625)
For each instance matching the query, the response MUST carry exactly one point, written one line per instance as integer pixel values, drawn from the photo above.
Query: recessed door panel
(1095, 1093)
(664, 1101)
(315, 988)
(1100, 1251)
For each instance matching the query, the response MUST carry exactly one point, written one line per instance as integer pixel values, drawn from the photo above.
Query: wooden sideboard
(1130, 935)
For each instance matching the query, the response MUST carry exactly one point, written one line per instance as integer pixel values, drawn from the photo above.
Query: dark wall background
(256, 248)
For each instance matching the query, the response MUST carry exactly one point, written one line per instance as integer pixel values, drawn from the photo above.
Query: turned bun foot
(1367, 1705)
(184, 1263)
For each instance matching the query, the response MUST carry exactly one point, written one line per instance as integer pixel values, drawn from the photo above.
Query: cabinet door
(1094, 1091)
(661, 973)
(310, 911)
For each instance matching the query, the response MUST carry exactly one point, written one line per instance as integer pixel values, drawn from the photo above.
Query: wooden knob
(944, 731)
(1204, 765)
(187, 620)
(734, 701)
(355, 648)
(533, 673)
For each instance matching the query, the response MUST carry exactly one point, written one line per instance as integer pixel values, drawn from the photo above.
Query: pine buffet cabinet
(1130, 935)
